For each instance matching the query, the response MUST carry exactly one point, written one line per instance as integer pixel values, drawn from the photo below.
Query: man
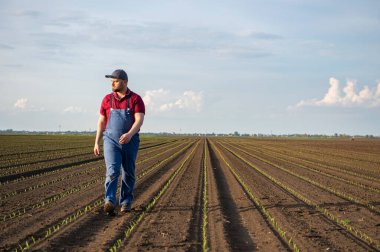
(121, 116)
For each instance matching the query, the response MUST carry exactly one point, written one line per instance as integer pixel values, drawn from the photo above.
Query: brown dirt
(235, 222)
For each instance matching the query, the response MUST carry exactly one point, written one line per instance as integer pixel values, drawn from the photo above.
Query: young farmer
(121, 116)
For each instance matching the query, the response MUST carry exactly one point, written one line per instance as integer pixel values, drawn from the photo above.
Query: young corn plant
(79, 213)
(133, 225)
(287, 158)
(359, 234)
(330, 189)
(289, 240)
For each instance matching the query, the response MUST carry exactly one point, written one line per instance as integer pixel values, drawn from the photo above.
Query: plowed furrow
(174, 221)
(302, 219)
(236, 220)
(68, 210)
(98, 230)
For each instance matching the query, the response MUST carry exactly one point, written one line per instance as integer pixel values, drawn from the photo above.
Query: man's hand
(96, 150)
(125, 138)
(99, 134)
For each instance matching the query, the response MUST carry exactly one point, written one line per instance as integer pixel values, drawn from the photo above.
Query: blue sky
(278, 67)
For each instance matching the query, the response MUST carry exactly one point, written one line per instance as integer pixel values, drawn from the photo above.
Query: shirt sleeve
(103, 107)
(139, 105)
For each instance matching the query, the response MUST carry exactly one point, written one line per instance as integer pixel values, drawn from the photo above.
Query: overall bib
(118, 155)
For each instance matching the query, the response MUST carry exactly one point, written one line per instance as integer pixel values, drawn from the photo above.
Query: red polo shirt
(136, 104)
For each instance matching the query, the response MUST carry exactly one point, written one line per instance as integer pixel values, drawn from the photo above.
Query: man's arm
(99, 134)
(139, 119)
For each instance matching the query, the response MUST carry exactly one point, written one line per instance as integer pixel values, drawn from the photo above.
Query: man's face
(118, 85)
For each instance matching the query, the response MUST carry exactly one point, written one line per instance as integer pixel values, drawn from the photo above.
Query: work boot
(109, 207)
(126, 208)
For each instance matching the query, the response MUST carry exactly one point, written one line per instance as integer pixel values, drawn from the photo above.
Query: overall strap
(111, 101)
(128, 99)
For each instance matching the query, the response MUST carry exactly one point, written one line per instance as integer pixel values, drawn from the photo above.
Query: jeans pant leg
(112, 157)
(128, 170)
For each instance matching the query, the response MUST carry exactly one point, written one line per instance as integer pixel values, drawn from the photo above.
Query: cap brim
(110, 76)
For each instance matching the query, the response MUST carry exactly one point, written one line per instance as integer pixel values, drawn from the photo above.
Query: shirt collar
(126, 94)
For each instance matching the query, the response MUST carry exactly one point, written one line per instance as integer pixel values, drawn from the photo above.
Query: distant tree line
(234, 134)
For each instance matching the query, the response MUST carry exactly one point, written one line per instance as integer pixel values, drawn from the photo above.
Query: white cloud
(74, 109)
(248, 33)
(364, 98)
(161, 100)
(21, 103)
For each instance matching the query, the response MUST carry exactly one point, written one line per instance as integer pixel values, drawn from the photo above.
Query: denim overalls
(116, 155)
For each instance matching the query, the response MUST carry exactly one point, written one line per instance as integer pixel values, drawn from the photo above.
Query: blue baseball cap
(118, 74)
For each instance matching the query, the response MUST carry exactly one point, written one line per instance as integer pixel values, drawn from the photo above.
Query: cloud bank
(350, 98)
(161, 100)
(73, 109)
(21, 103)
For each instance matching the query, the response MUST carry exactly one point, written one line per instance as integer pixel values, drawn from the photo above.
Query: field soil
(193, 194)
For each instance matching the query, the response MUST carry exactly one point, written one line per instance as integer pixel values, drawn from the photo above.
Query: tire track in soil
(234, 217)
(311, 230)
(237, 235)
(97, 231)
(175, 221)
(216, 234)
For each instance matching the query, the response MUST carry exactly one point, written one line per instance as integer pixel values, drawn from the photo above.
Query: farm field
(216, 194)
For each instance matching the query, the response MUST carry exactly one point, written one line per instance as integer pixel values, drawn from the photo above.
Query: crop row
(49, 182)
(40, 149)
(71, 218)
(48, 162)
(337, 151)
(21, 159)
(161, 152)
(359, 234)
(134, 223)
(54, 167)
(303, 159)
(275, 224)
(52, 199)
(306, 179)
(42, 173)
(334, 164)
(43, 157)
(36, 238)
(319, 171)
(76, 189)
(147, 150)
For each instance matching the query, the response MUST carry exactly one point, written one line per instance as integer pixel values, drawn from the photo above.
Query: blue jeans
(120, 156)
